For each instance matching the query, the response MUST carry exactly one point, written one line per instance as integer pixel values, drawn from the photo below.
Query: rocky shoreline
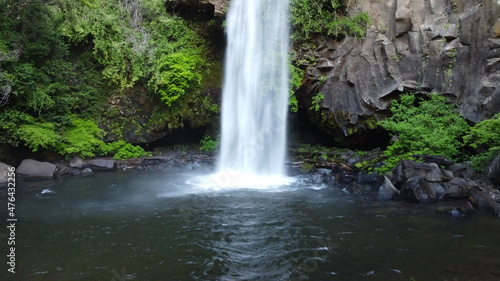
(433, 180)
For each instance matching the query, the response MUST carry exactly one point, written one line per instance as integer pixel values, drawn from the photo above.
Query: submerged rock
(457, 211)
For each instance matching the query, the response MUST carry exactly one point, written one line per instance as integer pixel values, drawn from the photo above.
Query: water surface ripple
(155, 226)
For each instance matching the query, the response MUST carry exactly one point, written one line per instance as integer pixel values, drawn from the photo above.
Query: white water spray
(255, 92)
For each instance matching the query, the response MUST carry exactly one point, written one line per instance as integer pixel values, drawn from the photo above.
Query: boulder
(458, 169)
(372, 180)
(487, 200)
(322, 175)
(418, 189)
(4, 174)
(494, 169)
(387, 190)
(460, 188)
(101, 164)
(30, 168)
(76, 162)
(429, 171)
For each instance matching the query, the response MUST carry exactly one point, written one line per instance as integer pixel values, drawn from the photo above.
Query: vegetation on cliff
(429, 126)
(325, 17)
(61, 60)
(432, 125)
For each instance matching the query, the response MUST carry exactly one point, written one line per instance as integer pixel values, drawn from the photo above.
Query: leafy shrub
(38, 135)
(208, 144)
(296, 75)
(177, 74)
(124, 150)
(424, 126)
(485, 137)
(310, 17)
(316, 102)
(83, 137)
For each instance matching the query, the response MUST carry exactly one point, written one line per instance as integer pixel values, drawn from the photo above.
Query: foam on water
(227, 181)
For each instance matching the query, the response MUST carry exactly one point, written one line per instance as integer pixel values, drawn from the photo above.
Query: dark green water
(154, 226)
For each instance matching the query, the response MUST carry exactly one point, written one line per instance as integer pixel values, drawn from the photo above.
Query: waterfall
(255, 91)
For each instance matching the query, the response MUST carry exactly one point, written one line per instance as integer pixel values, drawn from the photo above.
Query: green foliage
(21, 128)
(327, 17)
(485, 137)
(117, 44)
(83, 137)
(38, 135)
(60, 61)
(296, 76)
(208, 144)
(178, 73)
(424, 126)
(316, 102)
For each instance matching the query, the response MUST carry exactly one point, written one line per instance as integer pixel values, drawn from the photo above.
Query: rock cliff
(449, 47)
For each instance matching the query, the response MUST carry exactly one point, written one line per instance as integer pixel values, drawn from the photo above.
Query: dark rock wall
(450, 47)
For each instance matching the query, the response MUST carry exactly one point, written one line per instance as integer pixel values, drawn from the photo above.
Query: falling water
(255, 93)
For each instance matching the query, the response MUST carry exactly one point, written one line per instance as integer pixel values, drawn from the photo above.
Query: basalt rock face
(449, 47)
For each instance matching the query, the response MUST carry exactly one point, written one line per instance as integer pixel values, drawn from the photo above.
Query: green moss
(306, 167)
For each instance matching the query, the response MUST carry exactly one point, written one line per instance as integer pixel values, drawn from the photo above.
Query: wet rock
(373, 179)
(76, 162)
(465, 209)
(429, 171)
(87, 171)
(323, 175)
(62, 170)
(345, 177)
(487, 200)
(174, 163)
(418, 189)
(4, 174)
(494, 169)
(458, 169)
(101, 164)
(30, 168)
(192, 166)
(460, 188)
(387, 190)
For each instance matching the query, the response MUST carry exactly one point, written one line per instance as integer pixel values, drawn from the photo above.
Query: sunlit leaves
(485, 137)
(178, 73)
(424, 126)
